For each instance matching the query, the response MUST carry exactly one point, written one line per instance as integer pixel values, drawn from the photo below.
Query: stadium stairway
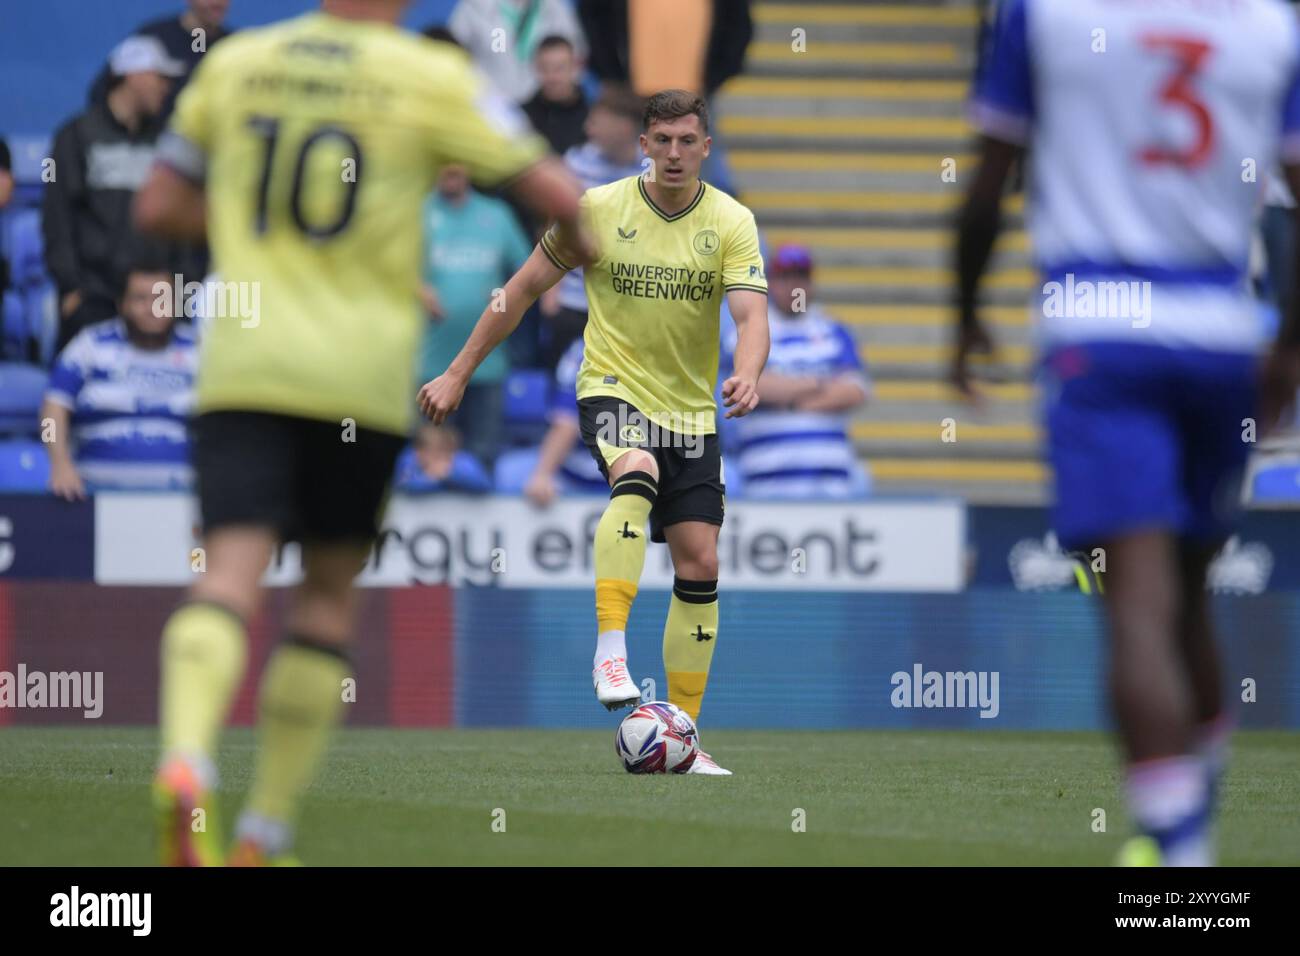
(841, 146)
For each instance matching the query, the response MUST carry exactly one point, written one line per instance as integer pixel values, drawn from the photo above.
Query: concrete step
(951, 134)
(736, 103)
(926, 177)
(932, 247)
(847, 89)
(867, 13)
(776, 208)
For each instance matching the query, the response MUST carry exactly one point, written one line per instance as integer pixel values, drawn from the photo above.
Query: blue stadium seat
(513, 468)
(30, 310)
(15, 323)
(21, 389)
(24, 466)
(25, 247)
(1277, 481)
(734, 477)
(527, 394)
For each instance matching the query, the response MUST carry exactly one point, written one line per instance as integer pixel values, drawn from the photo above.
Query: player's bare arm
(785, 391)
(749, 310)
(977, 230)
(442, 396)
(65, 481)
(171, 206)
(841, 394)
(558, 442)
(549, 190)
(1280, 377)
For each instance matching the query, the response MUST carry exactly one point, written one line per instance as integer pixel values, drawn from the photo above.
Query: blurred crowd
(114, 378)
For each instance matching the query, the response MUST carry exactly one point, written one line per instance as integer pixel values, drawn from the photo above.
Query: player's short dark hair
(553, 41)
(674, 104)
(144, 261)
(621, 101)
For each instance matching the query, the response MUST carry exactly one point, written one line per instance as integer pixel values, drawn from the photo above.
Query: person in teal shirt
(472, 245)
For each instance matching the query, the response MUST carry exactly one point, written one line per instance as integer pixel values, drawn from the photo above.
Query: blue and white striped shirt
(129, 406)
(795, 454)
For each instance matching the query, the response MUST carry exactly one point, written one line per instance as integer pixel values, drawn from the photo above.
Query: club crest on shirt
(706, 242)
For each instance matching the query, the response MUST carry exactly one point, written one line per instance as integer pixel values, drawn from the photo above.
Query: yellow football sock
(301, 701)
(620, 548)
(204, 650)
(690, 634)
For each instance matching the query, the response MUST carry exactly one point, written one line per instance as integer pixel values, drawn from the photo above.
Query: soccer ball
(657, 738)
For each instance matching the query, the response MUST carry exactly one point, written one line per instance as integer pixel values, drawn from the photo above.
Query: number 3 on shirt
(1189, 54)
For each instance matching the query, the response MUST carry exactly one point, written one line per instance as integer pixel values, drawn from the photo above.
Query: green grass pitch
(71, 796)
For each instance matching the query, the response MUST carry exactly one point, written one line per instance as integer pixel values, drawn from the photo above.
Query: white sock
(273, 836)
(1212, 740)
(610, 644)
(1166, 797)
(201, 764)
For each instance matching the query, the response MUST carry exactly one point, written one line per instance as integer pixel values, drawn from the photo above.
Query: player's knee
(232, 591)
(700, 567)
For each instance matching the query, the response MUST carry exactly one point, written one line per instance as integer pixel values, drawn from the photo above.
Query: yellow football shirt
(654, 297)
(318, 139)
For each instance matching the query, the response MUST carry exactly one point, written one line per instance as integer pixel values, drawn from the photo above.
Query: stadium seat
(513, 468)
(30, 315)
(527, 393)
(21, 390)
(735, 479)
(1277, 481)
(24, 466)
(15, 323)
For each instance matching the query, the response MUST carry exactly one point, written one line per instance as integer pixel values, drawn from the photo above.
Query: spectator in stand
(186, 37)
(796, 443)
(563, 461)
(503, 36)
(119, 398)
(435, 462)
(101, 157)
(6, 175)
(652, 45)
(612, 152)
(559, 110)
(6, 194)
(472, 246)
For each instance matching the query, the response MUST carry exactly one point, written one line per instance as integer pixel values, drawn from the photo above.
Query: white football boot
(706, 764)
(614, 685)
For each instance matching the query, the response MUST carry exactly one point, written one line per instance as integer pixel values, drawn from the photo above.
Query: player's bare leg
(203, 658)
(620, 557)
(301, 700)
(1212, 724)
(691, 630)
(1153, 699)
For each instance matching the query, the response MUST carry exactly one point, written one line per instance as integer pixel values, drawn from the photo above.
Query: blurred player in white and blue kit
(1149, 126)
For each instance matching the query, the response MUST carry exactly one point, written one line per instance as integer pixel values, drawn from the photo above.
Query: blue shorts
(1146, 437)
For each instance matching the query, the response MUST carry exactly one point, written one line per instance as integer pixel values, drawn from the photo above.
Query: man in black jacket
(101, 158)
(559, 110)
(186, 38)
